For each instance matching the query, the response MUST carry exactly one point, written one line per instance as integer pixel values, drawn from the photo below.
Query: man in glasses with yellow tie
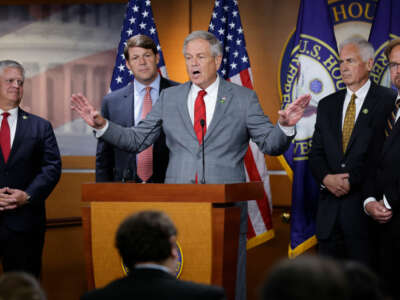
(344, 132)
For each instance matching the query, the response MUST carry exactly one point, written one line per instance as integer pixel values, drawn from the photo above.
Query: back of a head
(20, 286)
(363, 283)
(145, 237)
(305, 278)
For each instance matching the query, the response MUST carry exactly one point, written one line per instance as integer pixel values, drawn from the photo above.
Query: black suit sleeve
(318, 162)
(105, 163)
(49, 171)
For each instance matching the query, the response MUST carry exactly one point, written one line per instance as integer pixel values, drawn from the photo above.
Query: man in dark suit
(344, 133)
(146, 242)
(30, 167)
(383, 184)
(125, 107)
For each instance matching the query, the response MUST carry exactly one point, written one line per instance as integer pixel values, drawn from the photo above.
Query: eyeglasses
(394, 66)
(11, 82)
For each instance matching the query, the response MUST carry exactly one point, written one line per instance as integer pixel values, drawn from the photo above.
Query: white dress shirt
(140, 92)
(361, 93)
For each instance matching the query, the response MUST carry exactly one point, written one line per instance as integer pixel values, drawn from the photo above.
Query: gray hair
(4, 64)
(215, 44)
(367, 51)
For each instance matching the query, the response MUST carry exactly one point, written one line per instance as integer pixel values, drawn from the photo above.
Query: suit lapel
(182, 96)
(129, 107)
(224, 99)
(364, 115)
(20, 132)
(393, 136)
(338, 116)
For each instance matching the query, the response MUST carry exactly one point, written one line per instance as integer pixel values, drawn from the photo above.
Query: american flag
(138, 20)
(225, 24)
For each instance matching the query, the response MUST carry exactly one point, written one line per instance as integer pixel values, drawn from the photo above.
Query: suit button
(343, 165)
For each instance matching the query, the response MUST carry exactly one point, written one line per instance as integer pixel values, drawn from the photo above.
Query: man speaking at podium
(207, 122)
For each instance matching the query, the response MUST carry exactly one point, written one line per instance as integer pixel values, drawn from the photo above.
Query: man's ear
(174, 250)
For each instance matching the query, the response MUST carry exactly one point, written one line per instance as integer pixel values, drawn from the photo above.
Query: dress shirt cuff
(387, 205)
(288, 130)
(366, 201)
(98, 133)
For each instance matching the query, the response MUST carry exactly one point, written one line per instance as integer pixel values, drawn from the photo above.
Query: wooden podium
(206, 219)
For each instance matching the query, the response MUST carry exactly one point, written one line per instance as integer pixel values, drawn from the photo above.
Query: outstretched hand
(86, 111)
(294, 111)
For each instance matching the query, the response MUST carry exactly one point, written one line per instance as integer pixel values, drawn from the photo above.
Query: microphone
(127, 172)
(202, 124)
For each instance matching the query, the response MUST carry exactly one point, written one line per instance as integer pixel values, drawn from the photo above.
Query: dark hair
(305, 278)
(142, 41)
(363, 283)
(20, 286)
(145, 237)
(390, 46)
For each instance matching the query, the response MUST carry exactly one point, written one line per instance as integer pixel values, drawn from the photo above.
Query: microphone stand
(202, 124)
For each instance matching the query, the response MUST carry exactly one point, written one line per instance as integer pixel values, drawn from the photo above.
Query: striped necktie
(392, 118)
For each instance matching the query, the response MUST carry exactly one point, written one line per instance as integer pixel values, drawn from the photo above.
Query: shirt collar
(13, 112)
(212, 87)
(152, 266)
(361, 93)
(155, 85)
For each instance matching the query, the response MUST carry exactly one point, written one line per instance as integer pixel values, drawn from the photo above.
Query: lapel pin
(365, 111)
(222, 100)
(24, 117)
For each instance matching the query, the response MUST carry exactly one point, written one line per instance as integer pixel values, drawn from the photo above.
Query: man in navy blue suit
(30, 167)
(125, 107)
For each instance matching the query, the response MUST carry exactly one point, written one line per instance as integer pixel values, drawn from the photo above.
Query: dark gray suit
(237, 118)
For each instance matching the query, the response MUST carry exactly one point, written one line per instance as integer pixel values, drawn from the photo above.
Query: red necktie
(5, 136)
(200, 114)
(145, 158)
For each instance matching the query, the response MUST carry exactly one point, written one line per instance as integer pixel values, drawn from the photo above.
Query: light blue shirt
(140, 92)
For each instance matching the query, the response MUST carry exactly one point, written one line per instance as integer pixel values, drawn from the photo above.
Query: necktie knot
(6, 114)
(148, 89)
(201, 93)
(353, 98)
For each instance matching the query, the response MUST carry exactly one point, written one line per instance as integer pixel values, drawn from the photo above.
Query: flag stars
(221, 31)
(227, 48)
(235, 54)
(223, 71)
(235, 1)
(130, 72)
(216, 3)
(225, 60)
(152, 30)
(129, 32)
(118, 79)
(211, 26)
(233, 66)
(132, 20)
(158, 47)
(214, 15)
(226, 7)
(229, 37)
(238, 42)
(245, 59)
(121, 67)
(240, 30)
(142, 25)
(135, 8)
(145, 14)
(148, 2)
(232, 25)
(223, 19)
(234, 13)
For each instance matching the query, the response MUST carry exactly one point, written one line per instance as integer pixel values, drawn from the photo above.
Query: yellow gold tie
(349, 120)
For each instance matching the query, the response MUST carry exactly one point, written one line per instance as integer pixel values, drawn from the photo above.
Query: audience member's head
(305, 278)
(147, 237)
(20, 286)
(363, 283)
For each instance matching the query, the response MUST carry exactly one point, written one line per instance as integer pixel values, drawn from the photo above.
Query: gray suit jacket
(237, 118)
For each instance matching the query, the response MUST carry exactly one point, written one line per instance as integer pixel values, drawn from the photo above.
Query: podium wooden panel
(205, 216)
